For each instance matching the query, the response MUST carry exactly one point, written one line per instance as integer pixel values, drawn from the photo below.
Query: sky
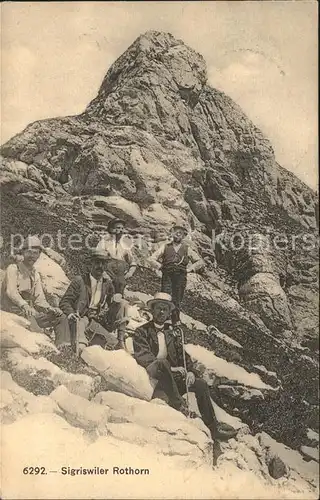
(262, 54)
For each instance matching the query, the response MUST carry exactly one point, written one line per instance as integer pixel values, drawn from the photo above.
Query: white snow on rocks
(313, 435)
(226, 369)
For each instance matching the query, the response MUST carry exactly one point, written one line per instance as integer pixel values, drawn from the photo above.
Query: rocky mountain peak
(154, 50)
(158, 145)
(155, 74)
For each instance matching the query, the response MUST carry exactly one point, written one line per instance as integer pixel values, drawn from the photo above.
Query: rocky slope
(159, 145)
(96, 412)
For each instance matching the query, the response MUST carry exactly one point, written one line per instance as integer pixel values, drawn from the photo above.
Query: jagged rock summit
(156, 109)
(159, 145)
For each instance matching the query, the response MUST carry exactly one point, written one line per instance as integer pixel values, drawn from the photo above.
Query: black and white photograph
(159, 250)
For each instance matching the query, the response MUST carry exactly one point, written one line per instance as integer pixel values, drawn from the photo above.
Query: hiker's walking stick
(77, 335)
(77, 338)
(185, 365)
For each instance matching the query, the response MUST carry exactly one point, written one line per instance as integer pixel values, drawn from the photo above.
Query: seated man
(91, 307)
(158, 348)
(22, 291)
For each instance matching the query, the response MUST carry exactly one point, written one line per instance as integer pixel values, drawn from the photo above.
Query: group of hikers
(94, 306)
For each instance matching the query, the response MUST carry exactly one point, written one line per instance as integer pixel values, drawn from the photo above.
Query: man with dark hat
(22, 291)
(121, 266)
(173, 259)
(158, 347)
(92, 309)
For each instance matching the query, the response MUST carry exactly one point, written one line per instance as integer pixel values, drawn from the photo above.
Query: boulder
(263, 295)
(119, 207)
(17, 402)
(246, 453)
(277, 468)
(307, 471)
(162, 420)
(54, 279)
(43, 404)
(303, 298)
(41, 376)
(55, 256)
(157, 213)
(224, 346)
(310, 453)
(15, 332)
(258, 256)
(120, 371)
(80, 412)
(249, 453)
(268, 376)
(128, 409)
(162, 443)
(240, 392)
(16, 167)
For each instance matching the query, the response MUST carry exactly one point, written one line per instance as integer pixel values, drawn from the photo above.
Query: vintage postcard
(159, 250)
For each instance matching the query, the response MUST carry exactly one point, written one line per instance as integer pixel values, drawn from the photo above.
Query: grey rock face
(157, 145)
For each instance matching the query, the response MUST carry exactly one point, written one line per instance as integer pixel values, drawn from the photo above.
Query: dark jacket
(78, 295)
(146, 347)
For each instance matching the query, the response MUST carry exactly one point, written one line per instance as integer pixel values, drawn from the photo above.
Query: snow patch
(223, 368)
(313, 435)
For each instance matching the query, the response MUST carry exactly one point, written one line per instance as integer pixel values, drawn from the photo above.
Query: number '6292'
(34, 470)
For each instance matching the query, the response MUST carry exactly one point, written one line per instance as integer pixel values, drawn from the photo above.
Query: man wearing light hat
(121, 266)
(176, 259)
(22, 291)
(92, 309)
(158, 347)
